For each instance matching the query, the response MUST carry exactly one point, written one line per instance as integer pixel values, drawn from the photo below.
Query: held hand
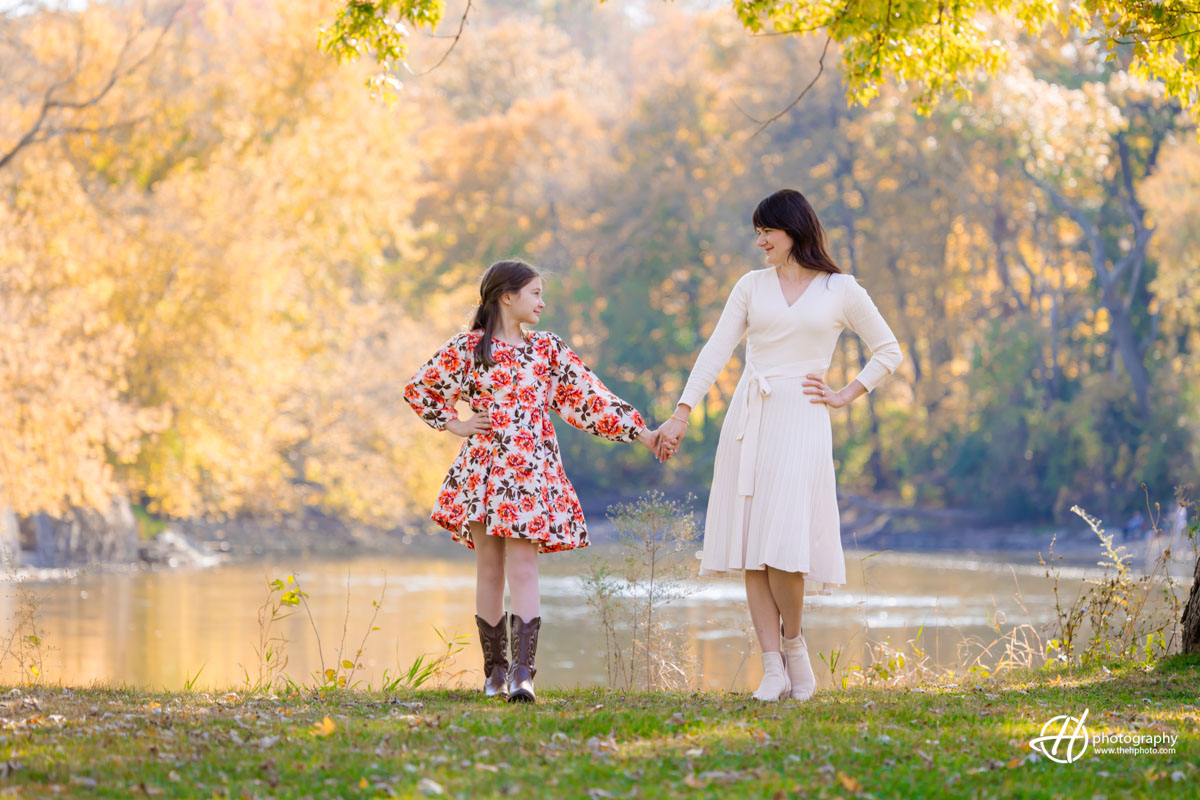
(669, 435)
(821, 393)
(476, 423)
(649, 439)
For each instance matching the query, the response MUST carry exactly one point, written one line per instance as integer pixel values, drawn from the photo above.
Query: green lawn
(965, 740)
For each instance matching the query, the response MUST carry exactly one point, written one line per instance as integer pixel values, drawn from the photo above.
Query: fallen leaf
(427, 786)
(850, 784)
(694, 782)
(722, 776)
(324, 727)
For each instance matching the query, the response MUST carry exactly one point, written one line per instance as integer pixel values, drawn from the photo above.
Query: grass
(951, 740)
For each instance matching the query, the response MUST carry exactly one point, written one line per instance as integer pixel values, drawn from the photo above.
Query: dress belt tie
(758, 387)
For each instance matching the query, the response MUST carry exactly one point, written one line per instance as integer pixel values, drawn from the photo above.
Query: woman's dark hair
(500, 279)
(787, 210)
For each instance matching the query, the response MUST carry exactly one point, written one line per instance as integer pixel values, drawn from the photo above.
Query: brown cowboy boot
(524, 646)
(493, 639)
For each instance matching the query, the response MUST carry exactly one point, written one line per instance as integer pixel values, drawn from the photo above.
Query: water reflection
(156, 629)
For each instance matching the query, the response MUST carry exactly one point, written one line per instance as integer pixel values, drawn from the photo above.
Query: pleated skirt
(791, 521)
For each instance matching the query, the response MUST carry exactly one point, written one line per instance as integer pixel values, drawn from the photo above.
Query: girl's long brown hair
(789, 211)
(500, 279)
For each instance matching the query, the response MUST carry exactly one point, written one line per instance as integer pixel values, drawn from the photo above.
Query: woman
(506, 496)
(772, 511)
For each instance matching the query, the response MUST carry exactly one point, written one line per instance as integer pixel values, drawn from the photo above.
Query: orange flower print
(609, 426)
(528, 504)
(537, 527)
(450, 360)
(568, 396)
(507, 512)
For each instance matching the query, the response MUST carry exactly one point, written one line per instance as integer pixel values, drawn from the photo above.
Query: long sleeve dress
(511, 478)
(774, 496)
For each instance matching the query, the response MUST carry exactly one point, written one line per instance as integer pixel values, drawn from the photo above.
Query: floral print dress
(511, 479)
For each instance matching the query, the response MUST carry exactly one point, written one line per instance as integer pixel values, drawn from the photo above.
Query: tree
(937, 47)
(199, 302)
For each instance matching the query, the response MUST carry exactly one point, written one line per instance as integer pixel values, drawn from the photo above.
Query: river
(157, 629)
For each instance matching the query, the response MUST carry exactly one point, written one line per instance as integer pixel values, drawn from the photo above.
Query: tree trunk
(1191, 615)
(1131, 357)
(875, 460)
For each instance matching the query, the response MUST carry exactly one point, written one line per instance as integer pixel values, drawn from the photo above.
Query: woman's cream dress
(774, 498)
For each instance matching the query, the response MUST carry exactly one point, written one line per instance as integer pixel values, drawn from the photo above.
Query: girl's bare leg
(489, 574)
(522, 571)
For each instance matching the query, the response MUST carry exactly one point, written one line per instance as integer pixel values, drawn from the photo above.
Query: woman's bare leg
(522, 571)
(763, 611)
(765, 615)
(787, 590)
(489, 574)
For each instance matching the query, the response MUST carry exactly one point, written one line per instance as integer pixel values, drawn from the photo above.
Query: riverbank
(966, 739)
(867, 526)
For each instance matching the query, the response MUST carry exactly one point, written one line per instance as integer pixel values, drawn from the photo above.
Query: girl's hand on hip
(820, 392)
(476, 423)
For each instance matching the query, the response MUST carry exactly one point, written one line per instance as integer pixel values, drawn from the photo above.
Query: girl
(772, 512)
(506, 496)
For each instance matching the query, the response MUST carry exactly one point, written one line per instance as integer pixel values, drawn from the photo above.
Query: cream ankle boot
(799, 668)
(775, 683)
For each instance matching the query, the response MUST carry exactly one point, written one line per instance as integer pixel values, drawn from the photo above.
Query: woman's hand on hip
(476, 423)
(819, 392)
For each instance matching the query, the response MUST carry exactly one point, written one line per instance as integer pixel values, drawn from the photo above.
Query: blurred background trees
(221, 255)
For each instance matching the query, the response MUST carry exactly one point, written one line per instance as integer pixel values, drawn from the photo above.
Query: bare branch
(119, 72)
(462, 24)
(820, 70)
(1085, 223)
